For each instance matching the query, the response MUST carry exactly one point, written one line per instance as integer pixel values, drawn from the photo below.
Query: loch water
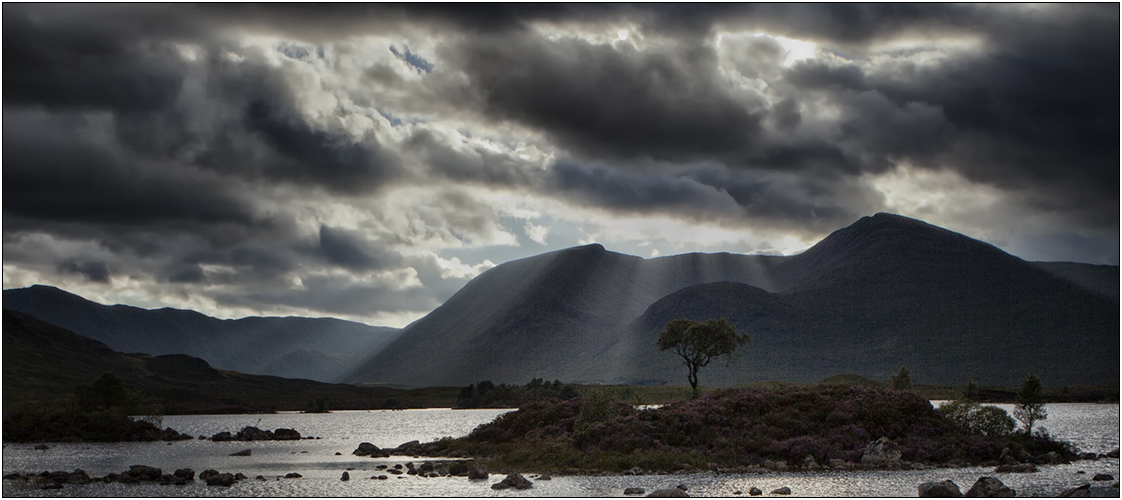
(321, 462)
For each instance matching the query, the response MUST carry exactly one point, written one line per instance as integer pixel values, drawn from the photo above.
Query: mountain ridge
(881, 291)
(249, 345)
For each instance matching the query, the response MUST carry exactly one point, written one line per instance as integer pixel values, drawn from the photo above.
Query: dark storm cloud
(609, 102)
(93, 271)
(350, 251)
(1037, 113)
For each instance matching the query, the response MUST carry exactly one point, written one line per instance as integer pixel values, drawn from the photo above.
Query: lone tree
(1030, 403)
(699, 342)
(902, 380)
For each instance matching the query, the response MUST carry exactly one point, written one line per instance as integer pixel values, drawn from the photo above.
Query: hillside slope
(248, 345)
(885, 291)
(45, 362)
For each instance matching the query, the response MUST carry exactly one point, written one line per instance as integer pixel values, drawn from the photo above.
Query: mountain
(248, 345)
(44, 362)
(884, 292)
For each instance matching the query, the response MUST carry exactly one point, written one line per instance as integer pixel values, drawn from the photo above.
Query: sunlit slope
(885, 291)
(539, 316)
(890, 291)
(248, 345)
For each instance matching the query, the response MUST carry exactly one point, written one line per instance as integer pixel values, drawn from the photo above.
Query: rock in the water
(223, 479)
(346, 476)
(250, 433)
(634, 491)
(668, 493)
(1113, 453)
(939, 489)
(79, 476)
(222, 436)
(988, 487)
(477, 471)
(286, 434)
(45, 447)
(1016, 468)
(781, 491)
(366, 450)
(293, 475)
(187, 474)
(1079, 492)
(1088, 456)
(754, 491)
(1103, 477)
(545, 477)
(243, 453)
(145, 473)
(881, 452)
(517, 481)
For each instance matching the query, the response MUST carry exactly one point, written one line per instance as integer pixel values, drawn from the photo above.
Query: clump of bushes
(486, 394)
(734, 428)
(97, 412)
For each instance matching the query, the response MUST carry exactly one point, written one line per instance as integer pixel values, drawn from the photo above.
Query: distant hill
(45, 362)
(320, 349)
(883, 292)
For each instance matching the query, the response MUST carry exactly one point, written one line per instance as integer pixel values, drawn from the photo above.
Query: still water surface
(1091, 427)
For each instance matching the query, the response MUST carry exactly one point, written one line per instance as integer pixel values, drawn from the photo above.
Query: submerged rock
(243, 453)
(668, 493)
(634, 491)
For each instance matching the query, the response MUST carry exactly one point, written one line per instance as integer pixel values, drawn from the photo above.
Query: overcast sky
(365, 161)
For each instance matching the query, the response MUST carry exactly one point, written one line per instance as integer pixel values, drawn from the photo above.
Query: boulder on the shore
(939, 489)
(477, 471)
(988, 487)
(1050, 458)
(881, 452)
(668, 493)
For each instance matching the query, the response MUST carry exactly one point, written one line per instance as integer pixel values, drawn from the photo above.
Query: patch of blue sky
(412, 59)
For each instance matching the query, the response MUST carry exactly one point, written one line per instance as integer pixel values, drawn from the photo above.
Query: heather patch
(735, 428)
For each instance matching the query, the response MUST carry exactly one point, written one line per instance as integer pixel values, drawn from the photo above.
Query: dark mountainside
(44, 362)
(320, 349)
(883, 292)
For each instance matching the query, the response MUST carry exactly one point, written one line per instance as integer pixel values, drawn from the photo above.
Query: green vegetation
(732, 428)
(1030, 403)
(699, 342)
(96, 412)
(902, 380)
(486, 394)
